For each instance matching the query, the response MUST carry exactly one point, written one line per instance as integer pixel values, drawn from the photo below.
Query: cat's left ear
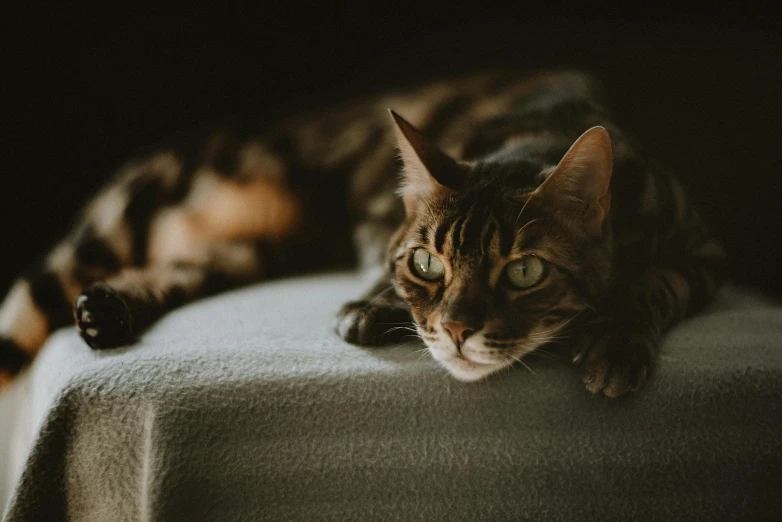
(427, 169)
(580, 183)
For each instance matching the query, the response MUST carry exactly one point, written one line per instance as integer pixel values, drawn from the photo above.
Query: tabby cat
(533, 217)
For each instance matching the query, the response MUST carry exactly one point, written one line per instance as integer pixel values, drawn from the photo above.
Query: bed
(246, 406)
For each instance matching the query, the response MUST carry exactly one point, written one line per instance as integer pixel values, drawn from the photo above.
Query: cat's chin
(469, 371)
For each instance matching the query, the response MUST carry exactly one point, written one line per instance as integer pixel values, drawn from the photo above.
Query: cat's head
(492, 268)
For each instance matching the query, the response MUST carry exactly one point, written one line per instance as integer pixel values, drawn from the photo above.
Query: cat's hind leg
(209, 242)
(115, 311)
(108, 236)
(24, 327)
(41, 301)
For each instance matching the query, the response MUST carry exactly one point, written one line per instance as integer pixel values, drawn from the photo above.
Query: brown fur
(488, 179)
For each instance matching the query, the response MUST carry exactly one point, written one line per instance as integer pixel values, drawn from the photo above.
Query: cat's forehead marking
(480, 233)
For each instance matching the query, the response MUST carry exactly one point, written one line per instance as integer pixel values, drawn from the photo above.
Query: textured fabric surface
(246, 407)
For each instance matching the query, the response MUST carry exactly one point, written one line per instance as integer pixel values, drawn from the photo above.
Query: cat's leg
(24, 325)
(109, 235)
(41, 301)
(379, 317)
(620, 346)
(115, 311)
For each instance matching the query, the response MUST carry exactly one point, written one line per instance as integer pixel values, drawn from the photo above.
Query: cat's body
(319, 191)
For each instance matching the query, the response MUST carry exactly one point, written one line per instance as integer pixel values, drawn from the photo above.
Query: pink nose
(458, 331)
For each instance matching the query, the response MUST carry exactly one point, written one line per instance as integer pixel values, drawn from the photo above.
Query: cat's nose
(459, 331)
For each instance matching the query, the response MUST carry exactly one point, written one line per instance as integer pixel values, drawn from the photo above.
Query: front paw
(613, 359)
(103, 317)
(373, 324)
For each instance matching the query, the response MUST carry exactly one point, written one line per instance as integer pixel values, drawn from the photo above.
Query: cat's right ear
(427, 170)
(580, 184)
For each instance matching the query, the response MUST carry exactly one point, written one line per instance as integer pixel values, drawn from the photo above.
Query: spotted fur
(490, 174)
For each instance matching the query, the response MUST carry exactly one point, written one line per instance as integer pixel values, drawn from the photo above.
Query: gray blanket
(247, 407)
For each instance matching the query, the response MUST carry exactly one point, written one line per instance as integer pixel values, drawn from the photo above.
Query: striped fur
(623, 264)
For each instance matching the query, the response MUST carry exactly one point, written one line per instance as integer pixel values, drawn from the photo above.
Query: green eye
(426, 266)
(525, 272)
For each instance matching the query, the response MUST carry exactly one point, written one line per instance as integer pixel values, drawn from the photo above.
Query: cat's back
(326, 169)
(468, 116)
(449, 111)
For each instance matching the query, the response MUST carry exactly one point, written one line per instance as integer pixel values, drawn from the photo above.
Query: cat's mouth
(468, 370)
(463, 367)
(473, 360)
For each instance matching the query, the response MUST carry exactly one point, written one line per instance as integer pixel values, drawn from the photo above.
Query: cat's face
(492, 271)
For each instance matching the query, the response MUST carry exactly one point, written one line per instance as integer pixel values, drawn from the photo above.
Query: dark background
(89, 88)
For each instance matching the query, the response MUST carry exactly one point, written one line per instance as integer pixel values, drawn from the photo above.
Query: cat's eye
(525, 272)
(426, 266)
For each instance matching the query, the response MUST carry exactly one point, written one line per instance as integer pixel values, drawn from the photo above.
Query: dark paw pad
(103, 318)
(368, 324)
(613, 361)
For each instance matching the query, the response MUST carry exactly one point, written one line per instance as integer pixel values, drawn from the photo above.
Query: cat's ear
(580, 182)
(427, 169)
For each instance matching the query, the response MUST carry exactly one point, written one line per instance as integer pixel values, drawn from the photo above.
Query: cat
(524, 215)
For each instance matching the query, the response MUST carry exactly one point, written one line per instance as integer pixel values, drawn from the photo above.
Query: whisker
(377, 296)
(522, 211)
(398, 347)
(518, 359)
(557, 327)
(422, 352)
(533, 372)
(399, 327)
(593, 309)
(543, 354)
(429, 209)
(408, 328)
